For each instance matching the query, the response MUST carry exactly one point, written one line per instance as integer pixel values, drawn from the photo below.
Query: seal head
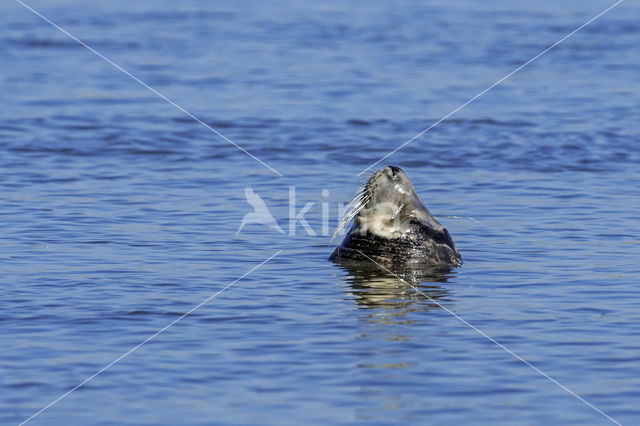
(392, 226)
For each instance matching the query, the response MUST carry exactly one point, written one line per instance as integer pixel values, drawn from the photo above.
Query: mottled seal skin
(391, 226)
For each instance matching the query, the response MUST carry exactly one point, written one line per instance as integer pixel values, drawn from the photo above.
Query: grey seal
(392, 226)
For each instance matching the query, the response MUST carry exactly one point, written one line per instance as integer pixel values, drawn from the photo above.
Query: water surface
(119, 212)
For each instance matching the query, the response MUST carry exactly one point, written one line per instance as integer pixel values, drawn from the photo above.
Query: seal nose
(395, 170)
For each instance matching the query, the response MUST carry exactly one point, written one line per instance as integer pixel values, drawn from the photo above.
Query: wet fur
(393, 227)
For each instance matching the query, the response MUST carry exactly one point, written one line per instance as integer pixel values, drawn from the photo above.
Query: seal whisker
(357, 203)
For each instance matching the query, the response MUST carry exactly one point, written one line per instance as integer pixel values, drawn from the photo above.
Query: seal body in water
(392, 226)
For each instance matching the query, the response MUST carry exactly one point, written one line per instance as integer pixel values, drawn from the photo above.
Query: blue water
(119, 212)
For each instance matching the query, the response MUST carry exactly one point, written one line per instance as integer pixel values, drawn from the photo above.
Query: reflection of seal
(393, 227)
(374, 287)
